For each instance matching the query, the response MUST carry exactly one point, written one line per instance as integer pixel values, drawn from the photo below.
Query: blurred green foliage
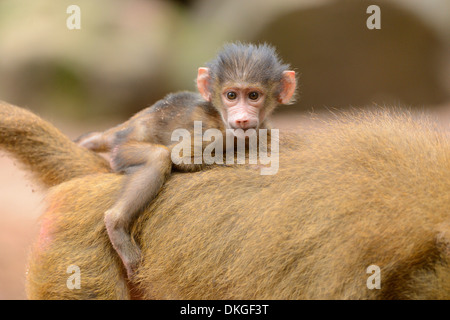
(128, 54)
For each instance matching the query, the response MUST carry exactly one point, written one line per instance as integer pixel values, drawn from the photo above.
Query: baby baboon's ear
(203, 83)
(288, 85)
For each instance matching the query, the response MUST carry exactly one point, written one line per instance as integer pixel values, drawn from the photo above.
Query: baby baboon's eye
(253, 95)
(231, 95)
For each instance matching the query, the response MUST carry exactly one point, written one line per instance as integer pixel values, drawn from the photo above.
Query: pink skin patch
(289, 84)
(47, 225)
(243, 105)
(45, 234)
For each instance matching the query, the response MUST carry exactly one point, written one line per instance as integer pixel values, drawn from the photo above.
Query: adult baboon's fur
(370, 189)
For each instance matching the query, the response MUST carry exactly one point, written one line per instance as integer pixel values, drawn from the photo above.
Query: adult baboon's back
(370, 190)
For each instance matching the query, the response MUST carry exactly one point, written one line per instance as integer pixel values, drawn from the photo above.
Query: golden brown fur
(370, 189)
(49, 155)
(240, 88)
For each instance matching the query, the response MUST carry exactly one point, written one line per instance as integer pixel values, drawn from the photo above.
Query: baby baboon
(239, 89)
(372, 189)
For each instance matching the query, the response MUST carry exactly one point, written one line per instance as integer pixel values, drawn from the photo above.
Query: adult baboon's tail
(50, 155)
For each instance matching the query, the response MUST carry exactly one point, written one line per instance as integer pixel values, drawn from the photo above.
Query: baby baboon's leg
(142, 184)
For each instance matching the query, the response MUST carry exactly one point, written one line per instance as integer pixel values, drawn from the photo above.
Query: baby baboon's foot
(131, 259)
(88, 140)
(121, 240)
(94, 141)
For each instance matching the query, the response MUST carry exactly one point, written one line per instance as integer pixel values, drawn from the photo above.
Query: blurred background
(128, 54)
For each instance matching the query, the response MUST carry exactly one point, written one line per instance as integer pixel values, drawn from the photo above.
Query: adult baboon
(370, 190)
